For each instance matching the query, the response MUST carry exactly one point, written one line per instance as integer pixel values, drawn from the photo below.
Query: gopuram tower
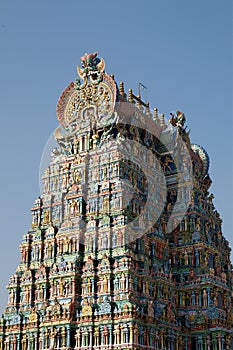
(125, 250)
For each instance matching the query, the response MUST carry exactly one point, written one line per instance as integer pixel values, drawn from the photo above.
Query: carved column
(186, 343)
(110, 335)
(41, 341)
(208, 342)
(78, 338)
(122, 333)
(131, 334)
(219, 342)
(223, 342)
(18, 342)
(162, 339)
(214, 342)
(101, 336)
(63, 336)
(91, 336)
(68, 336)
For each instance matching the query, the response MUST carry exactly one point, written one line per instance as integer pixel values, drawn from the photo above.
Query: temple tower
(125, 250)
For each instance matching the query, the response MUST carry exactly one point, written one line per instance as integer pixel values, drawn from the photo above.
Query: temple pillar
(109, 284)
(199, 342)
(169, 343)
(1, 343)
(151, 338)
(110, 335)
(223, 342)
(63, 336)
(131, 333)
(82, 338)
(127, 282)
(41, 341)
(162, 339)
(90, 333)
(208, 342)
(73, 286)
(183, 298)
(208, 295)
(81, 144)
(200, 299)
(186, 343)
(173, 343)
(219, 342)
(204, 343)
(86, 338)
(24, 342)
(17, 341)
(6, 345)
(214, 342)
(197, 258)
(122, 333)
(180, 298)
(44, 292)
(117, 340)
(14, 342)
(68, 336)
(45, 345)
(36, 341)
(189, 344)
(78, 338)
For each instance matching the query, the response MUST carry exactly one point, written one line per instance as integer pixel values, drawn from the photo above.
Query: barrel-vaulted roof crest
(97, 92)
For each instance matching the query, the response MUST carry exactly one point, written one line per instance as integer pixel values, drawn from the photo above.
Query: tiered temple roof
(125, 250)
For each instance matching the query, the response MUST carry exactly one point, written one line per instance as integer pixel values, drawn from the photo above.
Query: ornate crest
(91, 103)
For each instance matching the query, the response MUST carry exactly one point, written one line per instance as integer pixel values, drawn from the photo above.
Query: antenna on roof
(141, 87)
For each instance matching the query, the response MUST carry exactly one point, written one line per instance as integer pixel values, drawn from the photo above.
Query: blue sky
(181, 50)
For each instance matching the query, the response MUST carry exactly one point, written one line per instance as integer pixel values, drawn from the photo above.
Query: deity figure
(46, 217)
(73, 207)
(105, 284)
(205, 298)
(96, 336)
(186, 258)
(122, 281)
(198, 224)
(76, 146)
(61, 287)
(105, 335)
(150, 309)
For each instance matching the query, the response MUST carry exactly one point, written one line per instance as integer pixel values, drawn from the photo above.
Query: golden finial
(156, 118)
(130, 96)
(148, 108)
(139, 102)
(122, 89)
(162, 120)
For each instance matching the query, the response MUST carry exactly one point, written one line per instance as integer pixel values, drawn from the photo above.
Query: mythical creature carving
(92, 68)
(178, 120)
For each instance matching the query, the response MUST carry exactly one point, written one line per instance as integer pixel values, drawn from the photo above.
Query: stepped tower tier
(125, 249)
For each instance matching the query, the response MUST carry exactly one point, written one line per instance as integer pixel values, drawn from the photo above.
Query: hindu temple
(125, 249)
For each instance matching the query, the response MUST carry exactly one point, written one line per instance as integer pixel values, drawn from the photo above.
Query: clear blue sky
(181, 50)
